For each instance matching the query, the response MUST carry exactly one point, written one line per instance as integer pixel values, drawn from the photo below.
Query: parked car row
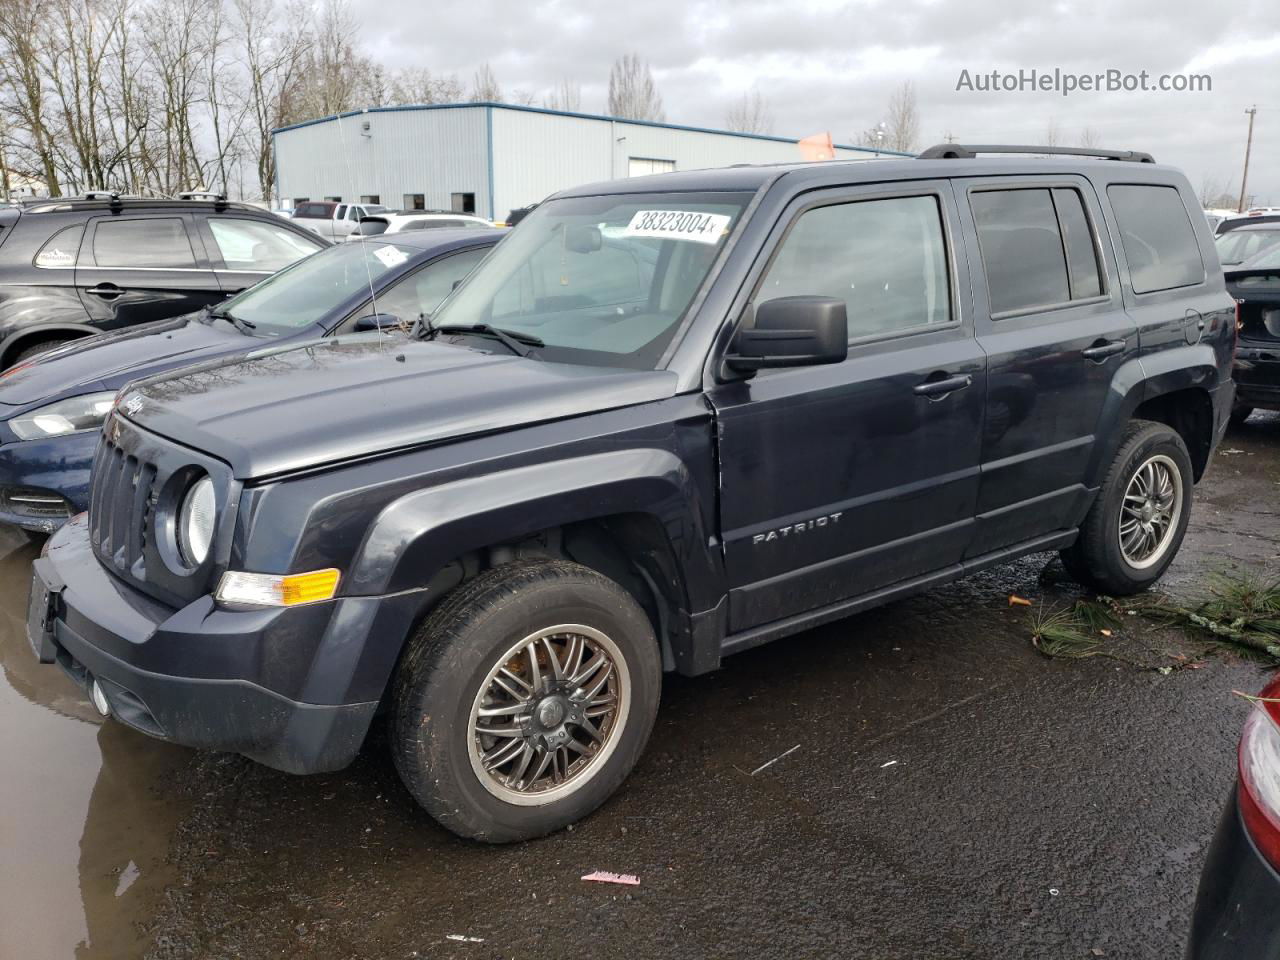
(51, 410)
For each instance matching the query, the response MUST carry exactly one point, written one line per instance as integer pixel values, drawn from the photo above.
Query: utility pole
(1244, 180)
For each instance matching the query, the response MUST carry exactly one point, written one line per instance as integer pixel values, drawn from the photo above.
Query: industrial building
(489, 158)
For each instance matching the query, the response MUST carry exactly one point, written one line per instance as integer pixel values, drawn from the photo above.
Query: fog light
(99, 698)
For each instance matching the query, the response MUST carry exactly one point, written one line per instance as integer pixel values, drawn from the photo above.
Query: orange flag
(817, 147)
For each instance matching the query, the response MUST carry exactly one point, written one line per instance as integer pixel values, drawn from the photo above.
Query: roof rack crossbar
(967, 151)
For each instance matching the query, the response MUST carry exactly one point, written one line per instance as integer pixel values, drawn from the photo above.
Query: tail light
(1260, 774)
(1236, 330)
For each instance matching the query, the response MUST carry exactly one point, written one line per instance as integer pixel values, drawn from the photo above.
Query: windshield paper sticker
(390, 256)
(679, 225)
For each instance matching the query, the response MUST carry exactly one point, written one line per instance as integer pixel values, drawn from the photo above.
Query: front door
(837, 480)
(1052, 322)
(136, 269)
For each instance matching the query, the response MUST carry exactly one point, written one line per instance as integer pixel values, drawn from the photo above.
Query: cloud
(828, 65)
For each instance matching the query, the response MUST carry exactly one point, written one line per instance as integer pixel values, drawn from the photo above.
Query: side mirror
(792, 332)
(377, 321)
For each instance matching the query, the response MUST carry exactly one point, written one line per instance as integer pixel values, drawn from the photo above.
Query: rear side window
(159, 242)
(61, 249)
(255, 246)
(886, 259)
(313, 211)
(1159, 241)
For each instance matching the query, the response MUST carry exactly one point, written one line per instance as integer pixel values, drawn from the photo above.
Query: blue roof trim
(492, 105)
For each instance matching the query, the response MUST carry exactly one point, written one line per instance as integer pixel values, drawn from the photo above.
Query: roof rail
(201, 195)
(967, 151)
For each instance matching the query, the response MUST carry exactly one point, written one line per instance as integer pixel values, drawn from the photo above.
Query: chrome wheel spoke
(548, 714)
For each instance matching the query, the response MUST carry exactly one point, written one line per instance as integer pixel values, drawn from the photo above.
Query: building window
(370, 198)
(415, 201)
(643, 166)
(299, 201)
(462, 202)
(334, 199)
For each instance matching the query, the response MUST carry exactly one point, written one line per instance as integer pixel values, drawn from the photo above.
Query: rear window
(432, 224)
(1158, 239)
(313, 211)
(1237, 246)
(155, 242)
(1037, 248)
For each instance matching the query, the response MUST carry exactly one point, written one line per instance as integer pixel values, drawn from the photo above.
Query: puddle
(84, 816)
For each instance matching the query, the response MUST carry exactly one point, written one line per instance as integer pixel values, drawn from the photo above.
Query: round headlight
(196, 523)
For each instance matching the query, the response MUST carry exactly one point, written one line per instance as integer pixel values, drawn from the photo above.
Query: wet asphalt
(946, 791)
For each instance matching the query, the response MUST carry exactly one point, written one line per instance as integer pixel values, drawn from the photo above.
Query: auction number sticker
(390, 256)
(679, 225)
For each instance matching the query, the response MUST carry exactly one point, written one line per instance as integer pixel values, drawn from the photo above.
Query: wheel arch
(14, 343)
(633, 516)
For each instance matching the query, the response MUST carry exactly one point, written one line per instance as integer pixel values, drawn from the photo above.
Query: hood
(109, 361)
(331, 400)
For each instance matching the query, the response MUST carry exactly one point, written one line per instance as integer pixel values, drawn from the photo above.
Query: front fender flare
(417, 534)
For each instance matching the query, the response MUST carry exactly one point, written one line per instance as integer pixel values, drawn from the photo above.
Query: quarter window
(1159, 241)
(62, 248)
(1077, 239)
(159, 242)
(886, 259)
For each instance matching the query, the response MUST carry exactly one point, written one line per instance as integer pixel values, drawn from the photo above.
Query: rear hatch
(1258, 293)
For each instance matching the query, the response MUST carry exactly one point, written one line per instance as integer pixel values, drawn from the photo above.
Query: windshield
(310, 289)
(1239, 245)
(600, 280)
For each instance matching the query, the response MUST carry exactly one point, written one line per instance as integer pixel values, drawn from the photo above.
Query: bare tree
(903, 124)
(23, 33)
(420, 85)
(632, 92)
(750, 115)
(1052, 134)
(1089, 138)
(484, 86)
(567, 96)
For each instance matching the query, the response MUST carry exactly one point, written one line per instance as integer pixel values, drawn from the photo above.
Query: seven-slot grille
(121, 500)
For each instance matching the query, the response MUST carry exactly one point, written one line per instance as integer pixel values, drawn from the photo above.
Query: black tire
(449, 662)
(1239, 414)
(1096, 559)
(35, 349)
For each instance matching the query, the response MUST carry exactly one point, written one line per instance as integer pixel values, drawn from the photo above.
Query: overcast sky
(831, 66)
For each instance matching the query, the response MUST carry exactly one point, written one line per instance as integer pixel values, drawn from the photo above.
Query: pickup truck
(666, 420)
(332, 220)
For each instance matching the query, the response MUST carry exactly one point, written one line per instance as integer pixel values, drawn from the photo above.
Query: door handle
(1103, 349)
(937, 389)
(108, 291)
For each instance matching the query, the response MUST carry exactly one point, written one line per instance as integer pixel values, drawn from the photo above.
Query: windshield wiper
(238, 322)
(517, 343)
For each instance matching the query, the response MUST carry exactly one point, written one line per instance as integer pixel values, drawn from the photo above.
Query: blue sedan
(52, 407)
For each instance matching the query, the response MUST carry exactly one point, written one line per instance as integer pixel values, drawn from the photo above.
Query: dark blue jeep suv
(667, 419)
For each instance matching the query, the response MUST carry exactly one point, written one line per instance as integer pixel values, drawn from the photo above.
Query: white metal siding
(432, 152)
(441, 151)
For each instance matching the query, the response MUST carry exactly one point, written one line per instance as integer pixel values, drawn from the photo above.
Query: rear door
(1052, 322)
(243, 250)
(134, 269)
(840, 479)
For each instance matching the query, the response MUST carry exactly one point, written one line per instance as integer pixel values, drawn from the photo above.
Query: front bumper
(1256, 372)
(1237, 911)
(58, 466)
(200, 676)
